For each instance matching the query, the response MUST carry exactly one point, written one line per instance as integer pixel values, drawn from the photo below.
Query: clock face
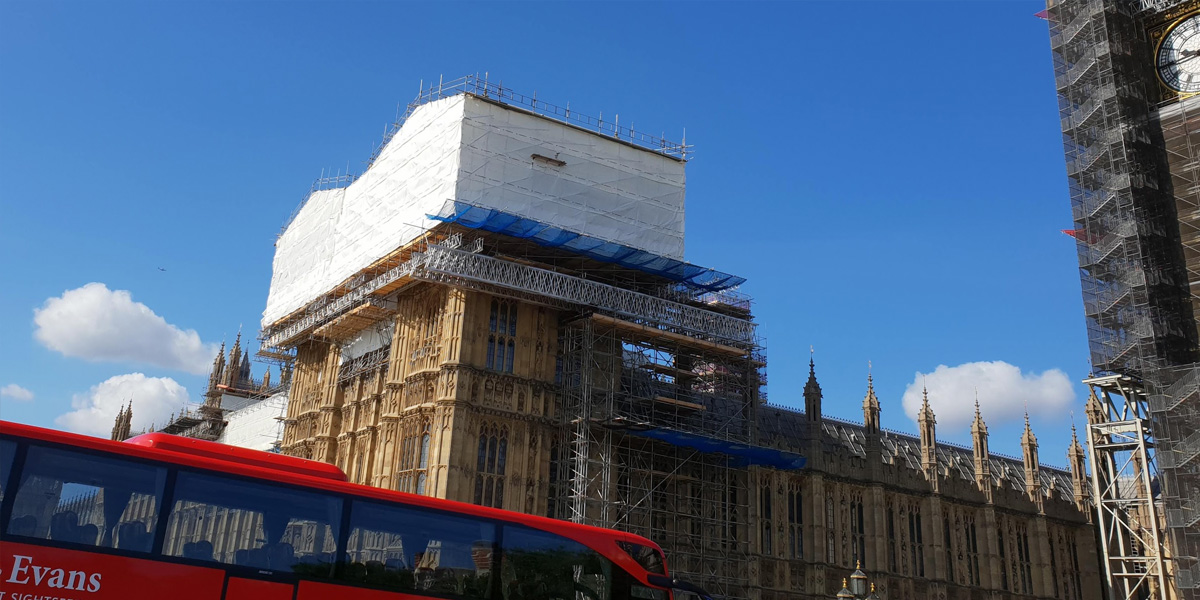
(1178, 56)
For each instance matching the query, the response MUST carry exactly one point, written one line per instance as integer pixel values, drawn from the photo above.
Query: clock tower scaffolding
(1121, 68)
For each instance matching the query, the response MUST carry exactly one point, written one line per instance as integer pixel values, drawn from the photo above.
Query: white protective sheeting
(468, 149)
(257, 425)
(607, 189)
(368, 340)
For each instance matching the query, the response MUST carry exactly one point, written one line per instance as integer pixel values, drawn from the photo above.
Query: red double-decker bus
(174, 518)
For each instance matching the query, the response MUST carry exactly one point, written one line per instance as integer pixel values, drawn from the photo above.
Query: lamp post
(856, 589)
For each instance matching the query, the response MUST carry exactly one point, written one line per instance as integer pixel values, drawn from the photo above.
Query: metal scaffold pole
(579, 411)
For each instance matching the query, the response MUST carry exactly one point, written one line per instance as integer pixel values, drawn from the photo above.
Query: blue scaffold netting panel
(496, 221)
(740, 455)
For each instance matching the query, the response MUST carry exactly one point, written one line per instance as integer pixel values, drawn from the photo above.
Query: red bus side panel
(323, 591)
(28, 572)
(251, 589)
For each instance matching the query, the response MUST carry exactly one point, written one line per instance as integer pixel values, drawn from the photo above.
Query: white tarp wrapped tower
(469, 148)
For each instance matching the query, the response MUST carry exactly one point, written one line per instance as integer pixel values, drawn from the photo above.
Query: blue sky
(888, 176)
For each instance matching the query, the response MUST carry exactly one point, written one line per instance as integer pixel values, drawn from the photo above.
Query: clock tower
(1127, 75)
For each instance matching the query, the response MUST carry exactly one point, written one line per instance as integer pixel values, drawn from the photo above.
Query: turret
(814, 434)
(871, 406)
(218, 370)
(812, 393)
(116, 430)
(234, 368)
(1094, 409)
(1029, 452)
(983, 458)
(927, 424)
(1077, 460)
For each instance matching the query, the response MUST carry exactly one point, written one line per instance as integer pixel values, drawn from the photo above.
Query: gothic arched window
(502, 333)
(490, 468)
(413, 468)
(916, 542)
(858, 536)
(795, 508)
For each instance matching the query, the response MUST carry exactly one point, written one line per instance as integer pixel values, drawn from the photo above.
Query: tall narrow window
(413, 470)
(795, 524)
(891, 533)
(765, 519)
(1025, 566)
(830, 540)
(423, 461)
(1053, 567)
(858, 536)
(502, 333)
(489, 472)
(1003, 559)
(949, 542)
(972, 552)
(916, 543)
(1075, 569)
(556, 489)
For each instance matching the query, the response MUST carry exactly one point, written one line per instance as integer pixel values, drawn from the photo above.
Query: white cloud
(154, 399)
(1003, 393)
(99, 324)
(13, 391)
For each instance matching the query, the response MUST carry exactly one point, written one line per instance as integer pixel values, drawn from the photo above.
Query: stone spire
(814, 433)
(1078, 463)
(116, 430)
(871, 406)
(812, 392)
(979, 443)
(266, 384)
(123, 424)
(927, 424)
(244, 374)
(212, 397)
(218, 370)
(234, 367)
(1094, 409)
(1029, 452)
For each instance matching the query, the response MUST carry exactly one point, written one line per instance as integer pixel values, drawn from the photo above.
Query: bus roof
(262, 470)
(234, 454)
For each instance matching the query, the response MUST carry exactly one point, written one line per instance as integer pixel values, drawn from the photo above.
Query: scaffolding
(650, 370)
(446, 263)
(630, 391)
(1132, 179)
(1134, 286)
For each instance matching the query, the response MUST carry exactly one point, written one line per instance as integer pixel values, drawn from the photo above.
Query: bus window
(252, 525)
(542, 566)
(412, 550)
(649, 558)
(7, 450)
(84, 499)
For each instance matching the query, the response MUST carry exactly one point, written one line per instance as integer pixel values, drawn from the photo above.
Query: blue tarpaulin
(496, 221)
(742, 455)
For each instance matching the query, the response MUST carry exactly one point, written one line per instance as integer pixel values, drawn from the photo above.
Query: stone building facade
(461, 402)
(498, 311)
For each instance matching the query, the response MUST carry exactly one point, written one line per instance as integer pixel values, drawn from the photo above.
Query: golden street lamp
(857, 586)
